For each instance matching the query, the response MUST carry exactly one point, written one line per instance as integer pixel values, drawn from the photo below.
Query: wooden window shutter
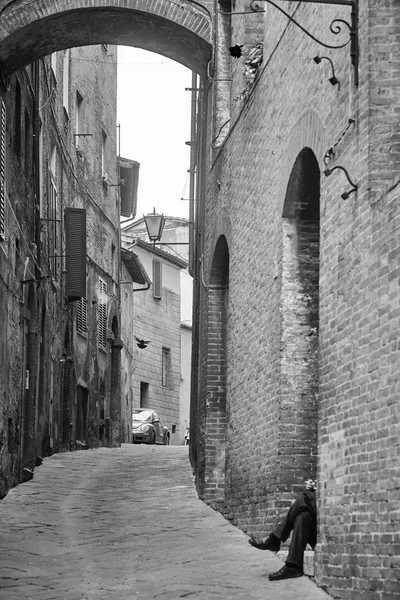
(75, 224)
(129, 178)
(3, 172)
(157, 279)
(81, 316)
(102, 308)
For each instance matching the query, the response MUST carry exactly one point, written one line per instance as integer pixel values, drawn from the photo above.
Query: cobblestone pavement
(116, 524)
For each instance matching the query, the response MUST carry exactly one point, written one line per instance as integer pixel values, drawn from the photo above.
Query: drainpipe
(119, 227)
(193, 147)
(36, 158)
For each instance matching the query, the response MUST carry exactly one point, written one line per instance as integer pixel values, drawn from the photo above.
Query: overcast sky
(154, 114)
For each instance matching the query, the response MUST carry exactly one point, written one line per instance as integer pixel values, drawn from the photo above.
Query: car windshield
(143, 415)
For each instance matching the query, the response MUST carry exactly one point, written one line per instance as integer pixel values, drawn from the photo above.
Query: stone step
(308, 565)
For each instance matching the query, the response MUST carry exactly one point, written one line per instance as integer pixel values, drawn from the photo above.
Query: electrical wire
(48, 99)
(162, 244)
(104, 62)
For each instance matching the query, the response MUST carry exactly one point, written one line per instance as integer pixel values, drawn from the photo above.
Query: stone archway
(180, 30)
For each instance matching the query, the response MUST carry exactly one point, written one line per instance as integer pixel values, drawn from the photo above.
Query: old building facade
(175, 242)
(295, 256)
(155, 374)
(59, 259)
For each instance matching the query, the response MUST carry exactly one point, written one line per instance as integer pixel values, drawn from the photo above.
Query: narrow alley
(127, 523)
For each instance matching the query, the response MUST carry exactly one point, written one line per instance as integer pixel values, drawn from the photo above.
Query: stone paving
(126, 523)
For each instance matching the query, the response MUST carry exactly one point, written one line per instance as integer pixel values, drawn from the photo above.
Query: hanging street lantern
(154, 225)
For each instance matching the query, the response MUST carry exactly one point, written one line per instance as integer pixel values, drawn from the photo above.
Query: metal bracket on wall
(354, 186)
(335, 26)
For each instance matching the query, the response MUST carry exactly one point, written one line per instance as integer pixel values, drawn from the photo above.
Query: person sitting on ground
(301, 519)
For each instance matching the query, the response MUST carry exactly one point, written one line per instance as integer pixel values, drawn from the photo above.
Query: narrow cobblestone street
(127, 523)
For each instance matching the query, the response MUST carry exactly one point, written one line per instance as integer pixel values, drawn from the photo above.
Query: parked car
(148, 428)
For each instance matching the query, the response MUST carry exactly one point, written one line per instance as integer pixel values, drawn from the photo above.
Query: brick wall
(272, 411)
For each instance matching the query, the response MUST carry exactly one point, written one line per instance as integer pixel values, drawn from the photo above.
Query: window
(144, 394)
(66, 81)
(17, 124)
(27, 148)
(157, 279)
(167, 302)
(52, 227)
(103, 159)
(53, 159)
(81, 315)
(78, 119)
(3, 172)
(113, 269)
(17, 256)
(53, 63)
(166, 376)
(102, 323)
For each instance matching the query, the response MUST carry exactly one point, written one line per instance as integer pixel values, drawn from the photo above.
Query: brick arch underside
(179, 32)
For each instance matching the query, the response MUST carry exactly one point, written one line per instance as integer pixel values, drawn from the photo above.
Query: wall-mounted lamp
(333, 80)
(345, 195)
(154, 225)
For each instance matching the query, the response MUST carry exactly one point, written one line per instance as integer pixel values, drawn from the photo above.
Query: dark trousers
(301, 521)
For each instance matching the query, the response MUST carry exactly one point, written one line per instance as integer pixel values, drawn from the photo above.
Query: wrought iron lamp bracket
(335, 26)
(354, 187)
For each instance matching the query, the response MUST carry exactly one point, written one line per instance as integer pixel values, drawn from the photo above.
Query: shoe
(270, 543)
(286, 573)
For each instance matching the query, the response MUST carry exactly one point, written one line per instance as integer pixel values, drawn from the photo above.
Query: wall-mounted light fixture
(345, 195)
(335, 26)
(333, 80)
(154, 225)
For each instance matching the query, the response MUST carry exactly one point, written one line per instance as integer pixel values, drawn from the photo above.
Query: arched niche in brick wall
(300, 320)
(216, 372)
(308, 132)
(181, 30)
